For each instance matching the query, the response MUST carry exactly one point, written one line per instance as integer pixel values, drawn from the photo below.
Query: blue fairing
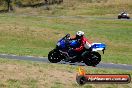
(62, 44)
(98, 45)
(74, 44)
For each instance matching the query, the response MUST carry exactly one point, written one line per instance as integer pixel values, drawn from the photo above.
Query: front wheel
(92, 59)
(128, 17)
(119, 17)
(54, 56)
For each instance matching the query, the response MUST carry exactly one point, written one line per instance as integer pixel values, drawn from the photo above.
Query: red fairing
(83, 42)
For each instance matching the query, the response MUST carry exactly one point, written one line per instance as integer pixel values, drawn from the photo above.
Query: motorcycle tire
(92, 59)
(119, 17)
(54, 56)
(128, 17)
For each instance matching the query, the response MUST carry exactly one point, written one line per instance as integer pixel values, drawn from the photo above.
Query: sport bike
(63, 52)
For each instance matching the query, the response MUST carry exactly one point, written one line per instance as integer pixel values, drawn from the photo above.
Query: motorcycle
(123, 15)
(89, 56)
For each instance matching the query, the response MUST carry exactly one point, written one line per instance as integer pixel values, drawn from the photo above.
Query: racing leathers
(83, 43)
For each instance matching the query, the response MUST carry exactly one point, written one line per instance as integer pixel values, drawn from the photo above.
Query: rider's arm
(73, 38)
(82, 45)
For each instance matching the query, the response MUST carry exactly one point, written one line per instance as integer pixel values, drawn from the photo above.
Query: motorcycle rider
(123, 12)
(83, 43)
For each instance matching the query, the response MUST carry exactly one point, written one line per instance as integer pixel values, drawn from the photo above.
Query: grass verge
(28, 74)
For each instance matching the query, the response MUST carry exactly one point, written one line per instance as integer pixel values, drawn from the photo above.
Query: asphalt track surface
(45, 60)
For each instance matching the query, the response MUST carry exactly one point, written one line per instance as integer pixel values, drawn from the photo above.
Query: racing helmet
(79, 34)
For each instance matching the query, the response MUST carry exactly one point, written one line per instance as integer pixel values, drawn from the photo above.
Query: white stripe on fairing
(96, 49)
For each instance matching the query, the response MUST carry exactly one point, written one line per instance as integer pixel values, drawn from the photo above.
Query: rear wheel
(128, 17)
(92, 59)
(54, 56)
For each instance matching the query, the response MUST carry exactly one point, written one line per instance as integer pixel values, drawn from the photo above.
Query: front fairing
(61, 44)
(65, 43)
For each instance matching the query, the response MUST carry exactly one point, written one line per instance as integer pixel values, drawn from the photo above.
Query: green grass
(28, 74)
(35, 35)
(83, 7)
(76, 7)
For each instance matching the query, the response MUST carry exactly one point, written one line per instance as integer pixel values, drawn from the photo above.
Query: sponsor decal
(83, 78)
